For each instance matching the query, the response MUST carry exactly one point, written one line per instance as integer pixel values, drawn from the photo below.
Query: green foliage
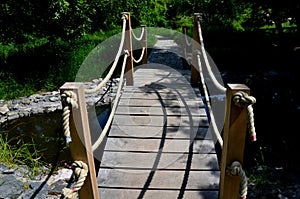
(14, 153)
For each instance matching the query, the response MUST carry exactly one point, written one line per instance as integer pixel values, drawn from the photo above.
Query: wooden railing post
(195, 49)
(185, 46)
(235, 128)
(144, 44)
(80, 146)
(129, 70)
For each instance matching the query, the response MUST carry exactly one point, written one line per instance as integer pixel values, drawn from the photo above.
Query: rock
(10, 187)
(36, 190)
(4, 109)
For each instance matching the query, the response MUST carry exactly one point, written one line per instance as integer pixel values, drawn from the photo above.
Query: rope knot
(242, 99)
(70, 99)
(80, 170)
(235, 169)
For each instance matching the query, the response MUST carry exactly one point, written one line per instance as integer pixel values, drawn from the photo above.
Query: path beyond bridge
(159, 144)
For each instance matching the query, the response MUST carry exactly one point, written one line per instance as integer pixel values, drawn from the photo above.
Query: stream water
(46, 133)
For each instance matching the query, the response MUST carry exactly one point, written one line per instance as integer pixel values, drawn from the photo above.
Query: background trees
(44, 42)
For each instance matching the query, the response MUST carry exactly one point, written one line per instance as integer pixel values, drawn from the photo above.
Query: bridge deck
(159, 145)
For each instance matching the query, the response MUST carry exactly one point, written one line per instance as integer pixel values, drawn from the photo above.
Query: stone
(4, 109)
(10, 187)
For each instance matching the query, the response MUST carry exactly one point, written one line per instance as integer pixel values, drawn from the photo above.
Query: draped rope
(141, 36)
(187, 41)
(242, 99)
(112, 69)
(141, 58)
(236, 169)
(69, 101)
(212, 118)
(207, 64)
(80, 170)
(116, 101)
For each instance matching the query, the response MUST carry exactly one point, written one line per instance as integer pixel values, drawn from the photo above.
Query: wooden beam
(80, 146)
(235, 128)
(129, 70)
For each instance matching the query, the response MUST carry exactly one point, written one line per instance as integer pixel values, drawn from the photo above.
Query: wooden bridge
(158, 142)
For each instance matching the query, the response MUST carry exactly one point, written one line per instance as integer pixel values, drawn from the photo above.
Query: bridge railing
(75, 116)
(239, 117)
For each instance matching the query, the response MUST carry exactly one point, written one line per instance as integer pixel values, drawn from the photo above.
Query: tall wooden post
(184, 46)
(234, 134)
(144, 44)
(129, 70)
(80, 146)
(195, 48)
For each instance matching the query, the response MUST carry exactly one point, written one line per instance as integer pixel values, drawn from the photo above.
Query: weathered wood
(154, 145)
(234, 141)
(168, 161)
(140, 120)
(129, 70)
(159, 140)
(162, 179)
(80, 147)
(155, 194)
(178, 132)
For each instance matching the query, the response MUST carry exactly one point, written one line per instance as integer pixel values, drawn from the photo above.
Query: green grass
(14, 153)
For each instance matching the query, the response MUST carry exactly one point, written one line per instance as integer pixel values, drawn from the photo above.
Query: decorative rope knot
(235, 169)
(242, 99)
(125, 16)
(69, 101)
(80, 170)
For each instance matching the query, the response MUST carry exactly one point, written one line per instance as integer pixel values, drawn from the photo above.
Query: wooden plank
(159, 179)
(155, 102)
(136, 120)
(167, 161)
(155, 145)
(166, 95)
(161, 111)
(152, 88)
(156, 132)
(109, 193)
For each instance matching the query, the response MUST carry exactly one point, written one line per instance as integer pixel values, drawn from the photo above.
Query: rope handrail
(187, 41)
(108, 123)
(112, 69)
(141, 36)
(212, 118)
(207, 64)
(141, 57)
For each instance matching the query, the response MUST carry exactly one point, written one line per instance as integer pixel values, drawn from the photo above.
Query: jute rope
(212, 120)
(112, 69)
(69, 101)
(141, 58)
(236, 169)
(112, 113)
(242, 99)
(141, 36)
(80, 170)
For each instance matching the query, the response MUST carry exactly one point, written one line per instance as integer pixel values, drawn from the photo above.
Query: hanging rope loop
(235, 169)
(69, 101)
(80, 170)
(242, 99)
